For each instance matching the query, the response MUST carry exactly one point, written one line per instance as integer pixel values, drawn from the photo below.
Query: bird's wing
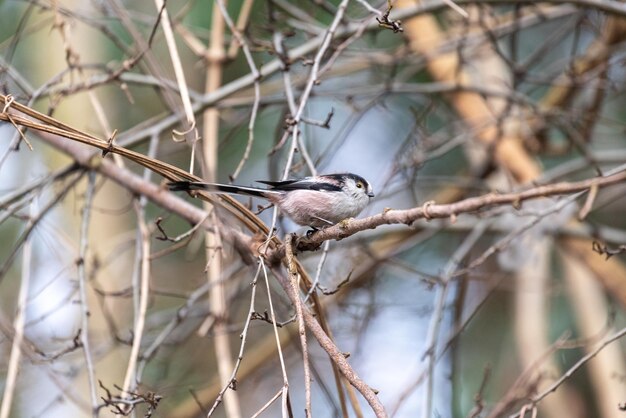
(307, 183)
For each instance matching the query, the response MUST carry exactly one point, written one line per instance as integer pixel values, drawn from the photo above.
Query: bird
(315, 201)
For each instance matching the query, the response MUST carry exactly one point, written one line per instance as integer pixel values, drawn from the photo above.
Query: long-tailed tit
(316, 201)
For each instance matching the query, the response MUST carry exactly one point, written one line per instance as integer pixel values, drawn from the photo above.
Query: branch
(329, 346)
(429, 210)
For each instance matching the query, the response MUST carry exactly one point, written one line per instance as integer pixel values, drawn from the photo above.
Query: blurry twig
(286, 407)
(257, 88)
(139, 323)
(606, 251)
(232, 382)
(19, 322)
(82, 284)
(570, 372)
(435, 324)
(384, 21)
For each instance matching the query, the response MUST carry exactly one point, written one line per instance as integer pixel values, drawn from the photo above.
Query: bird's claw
(311, 232)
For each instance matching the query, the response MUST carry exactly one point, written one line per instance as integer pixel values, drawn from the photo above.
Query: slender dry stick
(277, 40)
(304, 151)
(257, 88)
(242, 21)
(149, 59)
(138, 276)
(442, 294)
(135, 281)
(74, 65)
(82, 291)
(318, 271)
(285, 389)
(295, 289)
(215, 57)
(28, 188)
(18, 323)
(451, 338)
(514, 234)
(166, 25)
(244, 338)
(267, 404)
(181, 314)
(312, 80)
(31, 226)
(144, 292)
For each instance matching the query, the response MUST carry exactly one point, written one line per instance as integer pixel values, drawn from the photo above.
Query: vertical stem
(144, 291)
(285, 390)
(215, 58)
(82, 283)
(20, 319)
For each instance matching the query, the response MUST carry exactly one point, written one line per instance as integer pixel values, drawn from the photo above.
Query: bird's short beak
(370, 194)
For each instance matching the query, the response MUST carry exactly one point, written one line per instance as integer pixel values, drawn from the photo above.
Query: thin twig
(180, 78)
(267, 404)
(570, 372)
(181, 314)
(285, 389)
(31, 225)
(312, 80)
(435, 324)
(140, 318)
(257, 88)
(232, 382)
(82, 289)
(18, 323)
(318, 272)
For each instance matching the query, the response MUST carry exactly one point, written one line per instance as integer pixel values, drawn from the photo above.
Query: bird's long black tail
(186, 186)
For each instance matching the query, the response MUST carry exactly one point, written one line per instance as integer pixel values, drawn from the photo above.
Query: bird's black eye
(359, 185)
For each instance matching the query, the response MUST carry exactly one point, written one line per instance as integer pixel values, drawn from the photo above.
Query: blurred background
(507, 311)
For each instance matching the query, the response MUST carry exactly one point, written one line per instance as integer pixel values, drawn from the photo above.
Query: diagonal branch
(470, 205)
